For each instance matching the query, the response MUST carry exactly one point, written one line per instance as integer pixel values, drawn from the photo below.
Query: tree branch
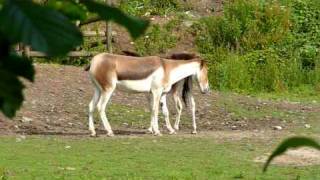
(90, 20)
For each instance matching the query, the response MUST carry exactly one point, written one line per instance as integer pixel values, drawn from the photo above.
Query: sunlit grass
(143, 157)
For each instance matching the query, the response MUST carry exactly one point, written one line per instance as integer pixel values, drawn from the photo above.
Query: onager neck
(183, 70)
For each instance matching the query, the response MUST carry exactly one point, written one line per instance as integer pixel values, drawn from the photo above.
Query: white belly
(143, 85)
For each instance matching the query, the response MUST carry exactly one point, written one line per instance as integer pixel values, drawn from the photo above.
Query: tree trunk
(109, 32)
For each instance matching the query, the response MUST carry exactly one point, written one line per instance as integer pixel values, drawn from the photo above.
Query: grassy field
(141, 157)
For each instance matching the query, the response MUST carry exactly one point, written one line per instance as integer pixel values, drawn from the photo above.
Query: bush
(265, 69)
(152, 7)
(255, 71)
(306, 30)
(262, 45)
(246, 26)
(157, 40)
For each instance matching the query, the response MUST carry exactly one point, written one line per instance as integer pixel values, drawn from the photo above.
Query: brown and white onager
(151, 74)
(184, 85)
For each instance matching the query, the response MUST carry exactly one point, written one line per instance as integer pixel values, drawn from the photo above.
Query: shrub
(306, 30)
(157, 40)
(262, 45)
(265, 69)
(152, 7)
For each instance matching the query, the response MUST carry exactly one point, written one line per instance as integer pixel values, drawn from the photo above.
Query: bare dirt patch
(295, 157)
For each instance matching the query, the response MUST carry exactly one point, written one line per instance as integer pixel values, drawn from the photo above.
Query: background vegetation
(262, 46)
(254, 46)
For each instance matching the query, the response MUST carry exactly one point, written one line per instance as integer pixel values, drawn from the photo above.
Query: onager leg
(150, 108)
(156, 95)
(165, 112)
(105, 97)
(92, 107)
(178, 104)
(193, 111)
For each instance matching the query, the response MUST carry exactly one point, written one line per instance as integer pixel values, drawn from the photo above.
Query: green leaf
(11, 96)
(45, 29)
(135, 26)
(20, 66)
(73, 10)
(293, 142)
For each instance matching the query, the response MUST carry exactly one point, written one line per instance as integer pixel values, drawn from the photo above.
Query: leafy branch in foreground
(135, 25)
(293, 142)
(46, 28)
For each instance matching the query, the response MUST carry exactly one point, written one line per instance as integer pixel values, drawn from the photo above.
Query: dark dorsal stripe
(175, 56)
(137, 68)
(133, 74)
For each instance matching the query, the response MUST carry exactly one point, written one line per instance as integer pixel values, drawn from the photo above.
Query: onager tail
(87, 67)
(186, 90)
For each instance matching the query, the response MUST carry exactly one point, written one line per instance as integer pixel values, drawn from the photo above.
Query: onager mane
(175, 56)
(130, 53)
(183, 56)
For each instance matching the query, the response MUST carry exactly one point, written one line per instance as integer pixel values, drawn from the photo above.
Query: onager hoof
(150, 130)
(176, 127)
(110, 134)
(93, 134)
(194, 132)
(157, 134)
(172, 132)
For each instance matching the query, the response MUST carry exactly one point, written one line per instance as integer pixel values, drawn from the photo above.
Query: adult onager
(184, 85)
(151, 74)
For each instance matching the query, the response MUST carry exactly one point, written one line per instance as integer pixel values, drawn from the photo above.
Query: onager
(151, 74)
(184, 85)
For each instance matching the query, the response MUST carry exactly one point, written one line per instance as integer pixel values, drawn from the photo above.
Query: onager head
(202, 77)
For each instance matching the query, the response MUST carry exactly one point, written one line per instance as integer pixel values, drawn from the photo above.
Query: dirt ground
(58, 100)
(295, 157)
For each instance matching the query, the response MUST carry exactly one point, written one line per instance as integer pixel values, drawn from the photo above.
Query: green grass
(302, 95)
(253, 111)
(251, 107)
(132, 116)
(143, 157)
(285, 107)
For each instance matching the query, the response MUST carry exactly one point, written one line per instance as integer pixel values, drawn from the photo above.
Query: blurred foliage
(46, 27)
(293, 142)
